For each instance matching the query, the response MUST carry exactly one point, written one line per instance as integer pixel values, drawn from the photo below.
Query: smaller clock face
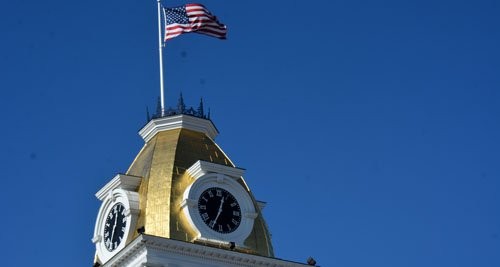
(114, 227)
(219, 210)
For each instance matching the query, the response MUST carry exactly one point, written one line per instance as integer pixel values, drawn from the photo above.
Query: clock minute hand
(114, 226)
(220, 209)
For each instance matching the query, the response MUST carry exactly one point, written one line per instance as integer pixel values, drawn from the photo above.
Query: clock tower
(182, 202)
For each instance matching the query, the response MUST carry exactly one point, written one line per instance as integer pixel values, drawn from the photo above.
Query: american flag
(192, 18)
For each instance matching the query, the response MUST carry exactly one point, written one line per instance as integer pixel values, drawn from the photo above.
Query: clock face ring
(219, 210)
(114, 226)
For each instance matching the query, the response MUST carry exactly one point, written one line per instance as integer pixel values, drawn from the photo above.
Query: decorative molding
(251, 215)
(122, 181)
(200, 168)
(189, 202)
(148, 250)
(177, 122)
(96, 239)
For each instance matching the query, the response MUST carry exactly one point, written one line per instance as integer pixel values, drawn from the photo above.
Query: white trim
(177, 122)
(200, 168)
(148, 250)
(125, 182)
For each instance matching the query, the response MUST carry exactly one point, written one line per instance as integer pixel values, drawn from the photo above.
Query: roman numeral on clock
(219, 210)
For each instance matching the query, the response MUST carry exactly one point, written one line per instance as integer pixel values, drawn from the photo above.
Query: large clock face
(114, 227)
(219, 210)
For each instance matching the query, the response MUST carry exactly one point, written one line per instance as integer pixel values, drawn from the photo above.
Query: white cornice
(157, 251)
(177, 122)
(125, 182)
(201, 168)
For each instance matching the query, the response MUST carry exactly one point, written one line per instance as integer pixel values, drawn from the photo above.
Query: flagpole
(160, 46)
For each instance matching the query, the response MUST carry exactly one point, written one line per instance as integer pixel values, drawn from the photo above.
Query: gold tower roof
(173, 144)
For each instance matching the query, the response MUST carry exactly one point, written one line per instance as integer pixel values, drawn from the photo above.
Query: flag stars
(176, 15)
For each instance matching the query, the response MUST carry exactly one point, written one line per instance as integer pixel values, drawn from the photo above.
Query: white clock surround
(120, 189)
(209, 175)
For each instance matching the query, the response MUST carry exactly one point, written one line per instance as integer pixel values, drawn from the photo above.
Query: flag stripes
(192, 18)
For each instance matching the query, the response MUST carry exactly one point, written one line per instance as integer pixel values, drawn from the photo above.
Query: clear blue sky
(371, 128)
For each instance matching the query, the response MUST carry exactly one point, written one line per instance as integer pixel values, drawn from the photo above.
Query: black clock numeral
(220, 210)
(115, 227)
